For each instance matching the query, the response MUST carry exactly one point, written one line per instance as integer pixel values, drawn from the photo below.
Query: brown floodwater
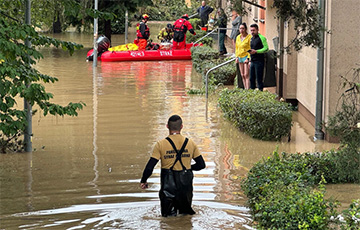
(84, 171)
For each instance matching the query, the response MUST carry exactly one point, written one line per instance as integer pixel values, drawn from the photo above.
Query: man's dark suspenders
(178, 153)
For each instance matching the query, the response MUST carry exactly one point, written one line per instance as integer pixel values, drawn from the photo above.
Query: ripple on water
(138, 215)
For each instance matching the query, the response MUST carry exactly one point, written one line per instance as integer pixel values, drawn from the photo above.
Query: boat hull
(145, 55)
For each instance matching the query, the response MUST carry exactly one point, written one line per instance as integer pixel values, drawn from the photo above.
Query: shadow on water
(85, 172)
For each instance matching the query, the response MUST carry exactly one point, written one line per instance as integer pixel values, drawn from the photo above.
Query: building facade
(341, 54)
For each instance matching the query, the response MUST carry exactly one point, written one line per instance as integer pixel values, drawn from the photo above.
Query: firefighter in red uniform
(142, 32)
(180, 27)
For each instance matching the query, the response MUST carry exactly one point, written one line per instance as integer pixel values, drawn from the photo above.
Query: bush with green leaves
(257, 113)
(351, 217)
(344, 125)
(204, 58)
(19, 79)
(286, 192)
(207, 41)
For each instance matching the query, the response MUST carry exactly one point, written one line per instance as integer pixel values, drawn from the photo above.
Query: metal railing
(214, 68)
(205, 36)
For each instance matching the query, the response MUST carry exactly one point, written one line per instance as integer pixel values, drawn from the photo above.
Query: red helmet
(186, 16)
(145, 16)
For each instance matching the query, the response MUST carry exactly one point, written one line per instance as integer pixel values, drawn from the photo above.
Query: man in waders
(175, 153)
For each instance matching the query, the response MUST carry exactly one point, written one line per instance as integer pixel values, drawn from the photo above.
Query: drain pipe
(319, 134)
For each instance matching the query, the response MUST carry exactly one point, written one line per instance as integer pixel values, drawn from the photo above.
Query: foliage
(237, 5)
(167, 10)
(208, 41)
(305, 15)
(282, 193)
(18, 78)
(257, 113)
(344, 125)
(204, 58)
(351, 217)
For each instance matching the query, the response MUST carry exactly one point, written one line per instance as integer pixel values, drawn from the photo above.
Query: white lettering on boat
(137, 54)
(165, 53)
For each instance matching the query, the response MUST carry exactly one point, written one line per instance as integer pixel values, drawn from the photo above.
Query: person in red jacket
(180, 27)
(143, 32)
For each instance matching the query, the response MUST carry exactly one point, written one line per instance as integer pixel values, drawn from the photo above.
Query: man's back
(164, 151)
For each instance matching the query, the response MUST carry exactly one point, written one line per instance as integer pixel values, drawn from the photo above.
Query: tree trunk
(107, 29)
(57, 23)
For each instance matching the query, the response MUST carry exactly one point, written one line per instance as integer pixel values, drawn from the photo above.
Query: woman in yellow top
(242, 56)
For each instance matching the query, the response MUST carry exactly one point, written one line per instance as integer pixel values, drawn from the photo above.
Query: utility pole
(27, 105)
(95, 35)
(126, 25)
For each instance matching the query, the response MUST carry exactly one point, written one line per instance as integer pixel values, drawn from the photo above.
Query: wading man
(175, 153)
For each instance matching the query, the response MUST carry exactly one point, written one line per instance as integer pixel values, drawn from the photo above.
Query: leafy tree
(305, 15)
(18, 78)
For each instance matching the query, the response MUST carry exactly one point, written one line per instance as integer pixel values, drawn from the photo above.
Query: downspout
(281, 58)
(319, 134)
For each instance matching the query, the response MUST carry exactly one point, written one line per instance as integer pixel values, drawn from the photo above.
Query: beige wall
(271, 24)
(306, 78)
(290, 64)
(342, 47)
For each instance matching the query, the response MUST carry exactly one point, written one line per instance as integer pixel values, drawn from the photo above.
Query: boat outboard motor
(103, 44)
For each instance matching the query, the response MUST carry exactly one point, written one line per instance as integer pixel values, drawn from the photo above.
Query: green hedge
(287, 192)
(204, 58)
(257, 113)
(208, 41)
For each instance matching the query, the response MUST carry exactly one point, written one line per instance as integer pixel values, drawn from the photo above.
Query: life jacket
(179, 25)
(138, 33)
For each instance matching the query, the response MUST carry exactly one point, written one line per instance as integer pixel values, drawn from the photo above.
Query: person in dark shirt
(204, 11)
(259, 46)
(222, 23)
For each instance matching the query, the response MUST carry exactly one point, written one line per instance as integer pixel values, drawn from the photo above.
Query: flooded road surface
(85, 171)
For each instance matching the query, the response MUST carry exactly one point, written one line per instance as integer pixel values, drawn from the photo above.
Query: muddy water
(85, 171)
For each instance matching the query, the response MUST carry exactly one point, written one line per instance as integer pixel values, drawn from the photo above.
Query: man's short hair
(255, 25)
(174, 123)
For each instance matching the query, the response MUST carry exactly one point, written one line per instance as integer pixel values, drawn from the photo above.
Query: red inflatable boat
(145, 55)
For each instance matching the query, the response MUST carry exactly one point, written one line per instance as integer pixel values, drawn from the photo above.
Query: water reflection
(87, 176)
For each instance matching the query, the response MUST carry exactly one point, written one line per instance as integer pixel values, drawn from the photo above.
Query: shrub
(205, 58)
(208, 41)
(351, 217)
(256, 113)
(343, 124)
(282, 194)
(346, 168)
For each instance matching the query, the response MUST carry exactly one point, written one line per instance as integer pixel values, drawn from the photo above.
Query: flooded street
(85, 171)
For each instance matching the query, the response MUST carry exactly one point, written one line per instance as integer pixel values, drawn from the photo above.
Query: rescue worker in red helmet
(180, 27)
(143, 32)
